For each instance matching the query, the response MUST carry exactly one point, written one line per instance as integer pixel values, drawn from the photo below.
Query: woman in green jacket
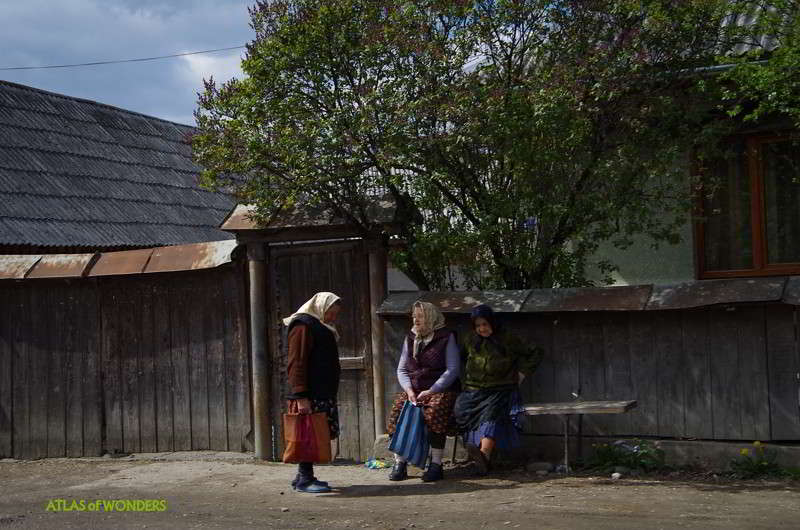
(489, 409)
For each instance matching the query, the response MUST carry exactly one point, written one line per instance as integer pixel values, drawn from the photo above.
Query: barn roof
(81, 174)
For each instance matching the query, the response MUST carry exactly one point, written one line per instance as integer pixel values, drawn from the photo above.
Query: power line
(95, 63)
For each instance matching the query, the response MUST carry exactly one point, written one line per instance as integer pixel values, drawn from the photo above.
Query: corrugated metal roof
(77, 173)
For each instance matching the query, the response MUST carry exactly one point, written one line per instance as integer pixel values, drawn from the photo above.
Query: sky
(50, 32)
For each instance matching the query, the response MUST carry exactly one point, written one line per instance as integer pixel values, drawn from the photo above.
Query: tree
(514, 135)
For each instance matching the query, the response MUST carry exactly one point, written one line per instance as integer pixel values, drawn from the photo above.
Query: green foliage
(515, 136)
(759, 462)
(638, 454)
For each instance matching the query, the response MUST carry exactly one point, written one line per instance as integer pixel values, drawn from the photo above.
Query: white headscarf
(316, 307)
(432, 320)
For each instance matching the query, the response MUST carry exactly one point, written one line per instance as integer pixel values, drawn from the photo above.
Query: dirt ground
(231, 490)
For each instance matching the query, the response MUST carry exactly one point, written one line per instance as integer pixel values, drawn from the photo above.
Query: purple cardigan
(453, 361)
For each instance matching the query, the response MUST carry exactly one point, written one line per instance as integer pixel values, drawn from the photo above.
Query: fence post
(257, 270)
(377, 293)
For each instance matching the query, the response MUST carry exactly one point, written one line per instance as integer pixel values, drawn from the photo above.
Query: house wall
(641, 264)
(139, 363)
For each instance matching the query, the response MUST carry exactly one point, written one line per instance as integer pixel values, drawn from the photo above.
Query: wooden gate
(296, 272)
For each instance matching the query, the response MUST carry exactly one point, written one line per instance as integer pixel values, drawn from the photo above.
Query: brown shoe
(477, 456)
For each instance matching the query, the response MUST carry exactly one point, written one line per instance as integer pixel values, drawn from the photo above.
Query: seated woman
(489, 410)
(428, 372)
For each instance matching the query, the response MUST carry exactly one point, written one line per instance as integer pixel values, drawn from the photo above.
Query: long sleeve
(453, 360)
(300, 343)
(403, 376)
(529, 357)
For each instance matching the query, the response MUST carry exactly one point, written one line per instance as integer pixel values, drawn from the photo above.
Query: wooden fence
(139, 363)
(717, 373)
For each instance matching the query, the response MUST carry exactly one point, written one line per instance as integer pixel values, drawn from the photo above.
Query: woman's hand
(520, 378)
(412, 396)
(423, 394)
(300, 406)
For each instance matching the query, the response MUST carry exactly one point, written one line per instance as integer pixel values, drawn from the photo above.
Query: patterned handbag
(410, 438)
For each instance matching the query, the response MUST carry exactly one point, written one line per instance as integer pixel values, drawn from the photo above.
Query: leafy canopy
(514, 135)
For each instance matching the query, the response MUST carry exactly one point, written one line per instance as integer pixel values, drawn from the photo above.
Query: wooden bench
(566, 410)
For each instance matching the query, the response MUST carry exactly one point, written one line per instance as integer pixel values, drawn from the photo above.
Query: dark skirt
(490, 413)
(437, 409)
(331, 409)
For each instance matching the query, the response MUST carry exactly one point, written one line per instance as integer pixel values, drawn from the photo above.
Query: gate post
(377, 293)
(257, 270)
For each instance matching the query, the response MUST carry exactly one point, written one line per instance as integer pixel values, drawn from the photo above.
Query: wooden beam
(258, 344)
(580, 407)
(377, 294)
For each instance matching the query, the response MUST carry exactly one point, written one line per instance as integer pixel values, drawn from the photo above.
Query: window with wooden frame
(751, 224)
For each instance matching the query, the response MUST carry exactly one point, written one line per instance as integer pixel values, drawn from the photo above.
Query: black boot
(399, 471)
(433, 473)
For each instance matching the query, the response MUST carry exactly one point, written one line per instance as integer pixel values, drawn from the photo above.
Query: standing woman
(428, 372)
(489, 410)
(313, 372)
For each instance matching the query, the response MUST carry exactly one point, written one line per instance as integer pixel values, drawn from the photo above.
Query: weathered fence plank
(753, 373)
(236, 364)
(56, 354)
(112, 384)
(644, 374)
(725, 375)
(7, 371)
(181, 386)
(39, 376)
(697, 392)
(358, 291)
(541, 386)
(91, 343)
(671, 373)
(162, 337)
(783, 369)
(147, 371)
(567, 343)
(129, 321)
(591, 363)
(21, 362)
(213, 329)
(198, 371)
(618, 385)
(75, 369)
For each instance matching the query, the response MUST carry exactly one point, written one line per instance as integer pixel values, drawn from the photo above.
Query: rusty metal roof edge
(398, 303)
(34, 264)
(95, 258)
(46, 261)
(14, 270)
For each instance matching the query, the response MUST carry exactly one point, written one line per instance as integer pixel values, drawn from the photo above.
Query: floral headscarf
(432, 320)
(316, 307)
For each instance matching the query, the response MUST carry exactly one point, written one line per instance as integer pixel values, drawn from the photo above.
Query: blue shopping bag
(410, 439)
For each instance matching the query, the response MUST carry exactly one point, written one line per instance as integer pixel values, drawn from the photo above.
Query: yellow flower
(744, 452)
(757, 443)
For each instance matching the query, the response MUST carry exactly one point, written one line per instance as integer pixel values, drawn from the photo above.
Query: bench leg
(566, 444)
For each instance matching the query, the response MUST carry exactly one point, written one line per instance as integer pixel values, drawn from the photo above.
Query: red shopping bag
(307, 437)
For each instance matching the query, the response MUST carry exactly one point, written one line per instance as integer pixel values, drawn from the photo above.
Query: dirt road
(230, 490)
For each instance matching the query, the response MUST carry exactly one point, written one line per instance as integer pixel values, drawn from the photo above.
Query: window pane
(728, 232)
(782, 201)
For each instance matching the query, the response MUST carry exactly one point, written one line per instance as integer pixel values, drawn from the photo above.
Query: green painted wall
(641, 264)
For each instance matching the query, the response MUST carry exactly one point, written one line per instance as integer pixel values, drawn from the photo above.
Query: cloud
(42, 32)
